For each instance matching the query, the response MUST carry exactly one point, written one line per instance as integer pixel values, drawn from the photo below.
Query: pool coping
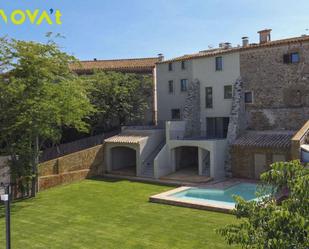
(166, 198)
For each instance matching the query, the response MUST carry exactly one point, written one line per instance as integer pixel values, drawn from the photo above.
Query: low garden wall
(72, 167)
(4, 170)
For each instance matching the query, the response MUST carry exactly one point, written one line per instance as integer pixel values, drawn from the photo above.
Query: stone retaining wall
(72, 167)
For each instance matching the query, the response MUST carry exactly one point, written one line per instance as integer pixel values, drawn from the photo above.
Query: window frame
(219, 69)
(291, 57)
(171, 84)
(181, 86)
(224, 92)
(206, 94)
(288, 58)
(175, 109)
(170, 66)
(252, 97)
(183, 65)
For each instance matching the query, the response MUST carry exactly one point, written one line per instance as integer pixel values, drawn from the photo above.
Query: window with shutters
(291, 58)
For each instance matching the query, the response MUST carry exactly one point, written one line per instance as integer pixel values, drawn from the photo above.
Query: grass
(110, 215)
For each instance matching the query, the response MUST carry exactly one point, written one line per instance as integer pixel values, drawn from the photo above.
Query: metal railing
(199, 135)
(68, 148)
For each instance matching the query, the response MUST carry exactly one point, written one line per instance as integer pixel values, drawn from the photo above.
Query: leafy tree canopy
(38, 95)
(119, 98)
(268, 224)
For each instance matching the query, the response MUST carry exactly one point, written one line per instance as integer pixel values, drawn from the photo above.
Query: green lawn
(110, 215)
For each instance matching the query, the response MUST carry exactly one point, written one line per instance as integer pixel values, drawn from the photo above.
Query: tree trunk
(34, 185)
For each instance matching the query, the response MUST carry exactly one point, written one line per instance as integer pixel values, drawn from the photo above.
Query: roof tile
(219, 51)
(265, 139)
(143, 65)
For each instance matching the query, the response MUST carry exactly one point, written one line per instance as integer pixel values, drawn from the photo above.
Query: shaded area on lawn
(110, 214)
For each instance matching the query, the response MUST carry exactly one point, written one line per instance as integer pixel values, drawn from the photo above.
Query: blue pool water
(223, 196)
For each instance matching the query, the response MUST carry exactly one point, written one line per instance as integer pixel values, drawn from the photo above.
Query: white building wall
(166, 101)
(204, 69)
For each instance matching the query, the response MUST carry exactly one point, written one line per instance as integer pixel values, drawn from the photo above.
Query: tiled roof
(265, 139)
(138, 65)
(125, 139)
(219, 51)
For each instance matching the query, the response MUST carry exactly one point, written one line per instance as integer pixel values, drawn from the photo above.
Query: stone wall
(72, 167)
(4, 170)
(192, 112)
(242, 159)
(280, 91)
(237, 121)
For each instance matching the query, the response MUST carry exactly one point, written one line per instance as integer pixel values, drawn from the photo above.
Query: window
(208, 97)
(248, 97)
(228, 92)
(219, 65)
(291, 58)
(183, 85)
(175, 114)
(183, 65)
(170, 66)
(217, 127)
(170, 86)
(294, 57)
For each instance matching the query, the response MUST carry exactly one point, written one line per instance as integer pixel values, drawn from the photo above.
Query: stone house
(255, 95)
(232, 111)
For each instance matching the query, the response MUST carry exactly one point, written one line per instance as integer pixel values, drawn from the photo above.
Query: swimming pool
(246, 190)
(212, 197)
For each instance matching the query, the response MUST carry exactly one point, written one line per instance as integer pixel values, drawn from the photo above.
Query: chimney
(264, 36)
(161, 57)
(245, 41)
(225, 45)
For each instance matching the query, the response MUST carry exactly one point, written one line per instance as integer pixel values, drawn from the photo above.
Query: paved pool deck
(168, 198)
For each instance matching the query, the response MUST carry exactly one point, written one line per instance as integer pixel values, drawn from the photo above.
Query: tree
(119, 98)
(38, 96)
(272, 225)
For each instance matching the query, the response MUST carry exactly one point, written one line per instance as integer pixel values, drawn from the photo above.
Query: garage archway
(123, 160)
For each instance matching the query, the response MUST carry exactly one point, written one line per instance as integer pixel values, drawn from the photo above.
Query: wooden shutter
(286, 58)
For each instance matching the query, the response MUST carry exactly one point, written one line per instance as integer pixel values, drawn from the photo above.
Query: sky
(112, 29)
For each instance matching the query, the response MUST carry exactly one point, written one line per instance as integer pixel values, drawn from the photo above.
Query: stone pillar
(237, 122)
(192, 112)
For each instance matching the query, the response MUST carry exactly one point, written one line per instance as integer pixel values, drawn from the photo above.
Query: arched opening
(187, 160)
(123, 160)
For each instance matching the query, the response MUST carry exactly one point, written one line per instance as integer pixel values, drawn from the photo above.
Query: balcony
(176, 130)
(201, 135)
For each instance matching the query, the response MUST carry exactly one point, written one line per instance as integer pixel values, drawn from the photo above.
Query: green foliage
(272, 225)
(38, 95)
(119, 98)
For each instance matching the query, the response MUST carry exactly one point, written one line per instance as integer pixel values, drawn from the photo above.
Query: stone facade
(72, 167)
(237, 121)
(242, 158)
(280, 91)
(192, 112)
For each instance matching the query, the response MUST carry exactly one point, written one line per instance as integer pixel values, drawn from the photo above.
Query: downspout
(154, 105)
